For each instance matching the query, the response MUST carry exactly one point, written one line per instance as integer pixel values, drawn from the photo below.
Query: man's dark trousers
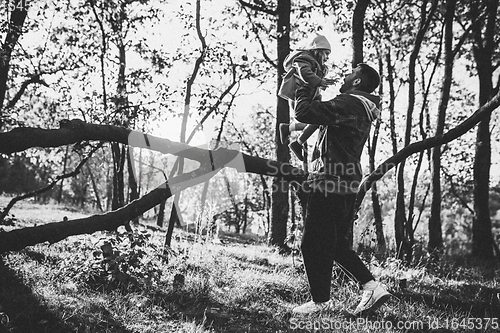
(328, 219)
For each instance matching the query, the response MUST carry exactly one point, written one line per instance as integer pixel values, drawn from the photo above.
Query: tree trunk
(358, 31)
(175, 218)
(392, 99)
(245, 214)
(372, 150)
(96, 190)
(118, 199)
(134, 193)
(435, 233)
(160, 219)
(280, 206)
(17, 18)
(358, 34)
(483, 50)
(404, 240)
(481, 226)
(59, 195)
(171, 224)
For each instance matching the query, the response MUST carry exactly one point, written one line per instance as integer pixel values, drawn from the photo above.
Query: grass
(227, 287)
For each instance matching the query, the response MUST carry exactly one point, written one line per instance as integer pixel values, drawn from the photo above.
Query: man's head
(363, 78)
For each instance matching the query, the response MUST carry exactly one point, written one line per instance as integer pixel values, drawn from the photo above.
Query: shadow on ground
(474, 300)
(27, 313)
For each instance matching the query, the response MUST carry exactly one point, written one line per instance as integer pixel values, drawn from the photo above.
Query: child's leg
(306, 133)
(286, 128)
(297, 126)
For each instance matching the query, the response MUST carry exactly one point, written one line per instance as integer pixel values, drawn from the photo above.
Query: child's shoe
(296, 148)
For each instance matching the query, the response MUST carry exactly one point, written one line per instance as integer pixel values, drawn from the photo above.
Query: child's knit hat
(316, 43)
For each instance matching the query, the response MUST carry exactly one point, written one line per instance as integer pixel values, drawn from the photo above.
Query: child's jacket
(300, 65)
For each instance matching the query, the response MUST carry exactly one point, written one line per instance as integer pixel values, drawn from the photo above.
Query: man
(330, 193)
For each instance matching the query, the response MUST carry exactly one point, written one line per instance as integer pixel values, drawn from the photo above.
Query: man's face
(349, 81)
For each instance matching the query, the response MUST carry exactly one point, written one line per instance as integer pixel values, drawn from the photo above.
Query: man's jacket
(345, 123)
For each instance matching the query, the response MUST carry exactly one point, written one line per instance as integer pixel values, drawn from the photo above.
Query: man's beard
(345, 87)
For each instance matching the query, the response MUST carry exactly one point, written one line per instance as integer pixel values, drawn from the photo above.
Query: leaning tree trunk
(482, 113)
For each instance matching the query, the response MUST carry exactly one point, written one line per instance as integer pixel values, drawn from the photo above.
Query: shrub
(125, 260)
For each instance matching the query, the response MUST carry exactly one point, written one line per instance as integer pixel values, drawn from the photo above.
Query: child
(306, 65)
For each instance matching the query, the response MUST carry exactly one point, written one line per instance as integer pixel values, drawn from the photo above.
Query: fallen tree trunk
(210, 163)
(54, 232)
(73, 131)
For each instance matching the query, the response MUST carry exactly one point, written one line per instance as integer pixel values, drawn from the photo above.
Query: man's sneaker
(284, 132)
(372, 300)
(312, 307)
(297, 150)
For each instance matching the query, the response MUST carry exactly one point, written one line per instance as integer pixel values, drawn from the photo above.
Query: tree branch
(454, 191)
(483, 112)
(262, 47)
(258, 8)
(53, 183)
(34, 79)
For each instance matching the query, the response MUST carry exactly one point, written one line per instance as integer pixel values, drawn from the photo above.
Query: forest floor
(100, 283)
